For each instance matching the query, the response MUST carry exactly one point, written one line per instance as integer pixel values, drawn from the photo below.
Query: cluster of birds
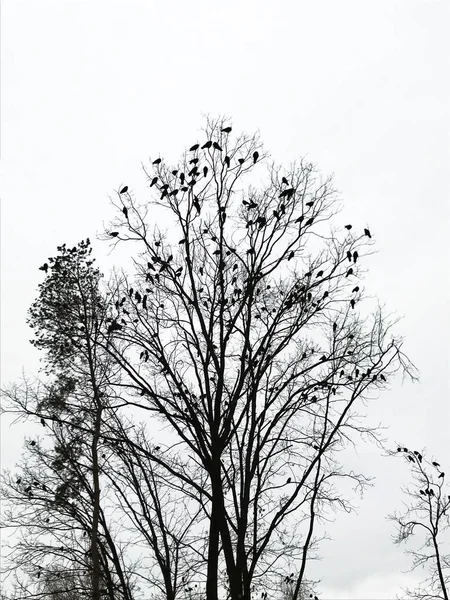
(416, 457)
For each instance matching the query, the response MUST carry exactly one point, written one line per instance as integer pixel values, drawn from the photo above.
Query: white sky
(90, 90)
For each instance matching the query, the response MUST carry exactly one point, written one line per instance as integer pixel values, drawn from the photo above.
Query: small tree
(426, 515)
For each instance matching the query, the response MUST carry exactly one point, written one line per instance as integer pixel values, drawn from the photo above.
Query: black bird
(288, 192)
(382, 377)
(435, 464)
(334, 327)
(319, 274)
(227, 161)
(194, 161)
(285, 181)
(196, 204)
(33, 443)
(309, 204)
(255, 156)
(355, 289)
(241, 161)
(114, 233)
(367, 232)
(207, 145)
(348, 227)
(422, 493)
(43, 422)
(157, 161)
(352, 303)
(194, 147)
(19, 480)
(291, 255)
(205, 171)
(44, 268)
(299, 219)
(125, 212)
(309, 221)
(355, 256)
(349, 272)
(124, 190)
(349, 255)
(226, 129)
(216, 146)
(441, 476)
(154, 180)
(288, 480)
(183, 241)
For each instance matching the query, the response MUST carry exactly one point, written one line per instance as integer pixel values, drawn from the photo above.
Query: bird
(154, 180)
(285, 181)
(125, 212)
(241, 161)
(157, 161)
(124, 190)
(18, 481)
(382, 377)
(309, 204)
(207, 145)
(289, 480)
(355, 256)
(348, 227)
(33, 443)
(114, 233)
(43, 422)
(352, 303)
(441, 476)
(227, 161)
(355, 289)
(194, 147)
(319, 274)
(291, 255)
(367, 232)
(349, 256)
(255, 156)
(226, 129)
(205, 171)
(435, 464)
(349, 272)
(309, 221)
(196, 204)
(334, 327)
(44, 267)
(216, 146)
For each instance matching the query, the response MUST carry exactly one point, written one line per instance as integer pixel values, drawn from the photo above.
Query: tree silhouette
(241, 332)
(60, 484)
(426, 515)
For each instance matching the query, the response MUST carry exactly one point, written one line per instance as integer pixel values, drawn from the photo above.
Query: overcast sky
(90, 90)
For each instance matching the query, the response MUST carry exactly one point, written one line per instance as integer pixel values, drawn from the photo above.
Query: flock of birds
(416, 457)
(161, 264)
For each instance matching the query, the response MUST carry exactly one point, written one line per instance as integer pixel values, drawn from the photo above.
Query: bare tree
(241, 332)
(426, 516)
